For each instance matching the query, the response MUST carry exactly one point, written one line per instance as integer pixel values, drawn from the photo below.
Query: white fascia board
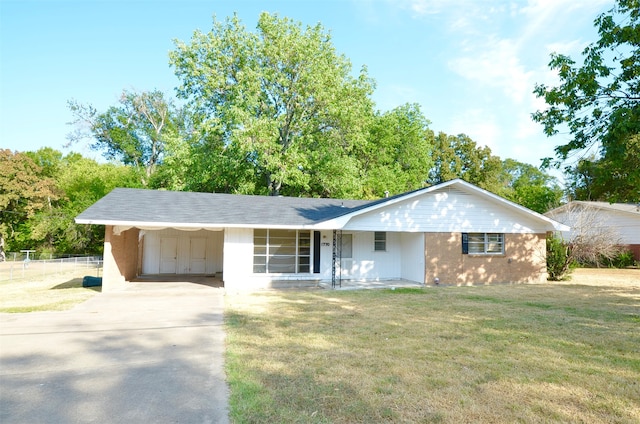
(159, 225)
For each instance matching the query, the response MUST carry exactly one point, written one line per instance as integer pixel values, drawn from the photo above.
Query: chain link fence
(20, 267)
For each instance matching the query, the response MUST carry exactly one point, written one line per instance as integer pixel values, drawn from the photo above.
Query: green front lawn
(525, 353)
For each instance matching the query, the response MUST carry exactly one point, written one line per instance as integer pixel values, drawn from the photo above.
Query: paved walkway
(152, 353)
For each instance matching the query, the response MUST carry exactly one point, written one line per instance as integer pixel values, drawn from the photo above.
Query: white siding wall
(366, 264)
(238, 257)
(447, 210)
(151, 250)
(627, 226)
(413, 257)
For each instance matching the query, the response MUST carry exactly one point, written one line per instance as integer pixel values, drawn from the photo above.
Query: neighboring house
(622, 220)
(452, 233)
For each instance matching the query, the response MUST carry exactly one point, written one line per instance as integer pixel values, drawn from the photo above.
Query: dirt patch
(605, 277)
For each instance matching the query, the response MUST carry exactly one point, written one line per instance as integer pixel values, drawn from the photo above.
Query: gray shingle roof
(125, 205)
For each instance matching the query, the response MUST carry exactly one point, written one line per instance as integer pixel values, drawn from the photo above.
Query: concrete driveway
(152, 353)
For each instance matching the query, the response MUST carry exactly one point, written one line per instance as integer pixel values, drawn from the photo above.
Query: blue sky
(471, 64)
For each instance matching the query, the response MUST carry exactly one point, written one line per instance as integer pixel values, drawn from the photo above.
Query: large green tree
(282, 99)
(77, 182)
(135, 132)
(530, 186)
(606, 178)
(397, 154)
(460, 157)
(598, 102)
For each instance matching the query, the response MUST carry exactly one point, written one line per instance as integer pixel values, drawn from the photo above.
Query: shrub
(559, 258)
(622, 260)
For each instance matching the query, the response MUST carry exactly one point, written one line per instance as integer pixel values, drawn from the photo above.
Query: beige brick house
(451, 233)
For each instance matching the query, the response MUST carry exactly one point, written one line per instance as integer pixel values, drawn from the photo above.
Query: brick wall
(120, 258)
(635, 249)
(523, 261)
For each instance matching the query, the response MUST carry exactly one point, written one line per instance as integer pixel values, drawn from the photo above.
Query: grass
(53, 293)
(527, 353)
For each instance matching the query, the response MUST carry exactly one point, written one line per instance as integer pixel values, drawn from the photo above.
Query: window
(281, 251)
(345, 241)
(380, 241)
(483, 243)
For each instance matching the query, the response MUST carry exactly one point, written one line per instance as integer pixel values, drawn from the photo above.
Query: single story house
(451, 233)
(620, 219)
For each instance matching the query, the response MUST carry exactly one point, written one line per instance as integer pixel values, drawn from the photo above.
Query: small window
(380, 241)
(483, 243)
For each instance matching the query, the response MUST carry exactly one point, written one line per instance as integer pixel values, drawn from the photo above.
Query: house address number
(324, 243)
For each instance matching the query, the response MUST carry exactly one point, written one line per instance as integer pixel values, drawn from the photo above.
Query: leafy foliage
(397, 154)
(78, 182)
(622, 260)
(23, 193)
(530, 186)
(599, 102)
(134, 132)
(559, 258)
(607, 178)
(460, 157)
(281, 97)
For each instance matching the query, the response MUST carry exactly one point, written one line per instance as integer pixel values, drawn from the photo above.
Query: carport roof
(140, 207)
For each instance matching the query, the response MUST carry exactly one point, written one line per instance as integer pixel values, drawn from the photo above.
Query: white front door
(168, 255)
(198, 256)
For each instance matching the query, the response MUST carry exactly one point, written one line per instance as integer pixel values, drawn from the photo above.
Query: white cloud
(497, 64)
(478, 124)
(420, 7)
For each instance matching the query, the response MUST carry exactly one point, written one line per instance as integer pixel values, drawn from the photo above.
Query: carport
(161, 254)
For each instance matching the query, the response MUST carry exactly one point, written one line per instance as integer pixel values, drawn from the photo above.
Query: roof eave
(161, 225)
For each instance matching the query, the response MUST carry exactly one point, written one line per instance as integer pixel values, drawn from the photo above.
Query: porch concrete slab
(362, 285)
(151, 353)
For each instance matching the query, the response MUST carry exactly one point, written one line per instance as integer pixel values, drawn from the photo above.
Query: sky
(471, 65)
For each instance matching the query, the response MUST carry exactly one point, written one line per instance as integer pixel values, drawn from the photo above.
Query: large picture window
(483, 243)
(281, 251)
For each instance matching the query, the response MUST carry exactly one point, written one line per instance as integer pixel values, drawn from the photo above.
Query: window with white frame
(483, 243)
(281, 251)
(380, 241)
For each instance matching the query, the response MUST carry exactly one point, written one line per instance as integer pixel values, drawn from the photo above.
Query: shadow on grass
(75, 283)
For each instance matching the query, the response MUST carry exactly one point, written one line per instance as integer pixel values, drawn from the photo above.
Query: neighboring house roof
(632, 208)
(155, 208)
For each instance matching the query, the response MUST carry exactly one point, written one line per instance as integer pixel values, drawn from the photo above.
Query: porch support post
(333, 260)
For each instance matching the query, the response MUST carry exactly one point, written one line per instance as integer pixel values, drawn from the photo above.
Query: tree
(606, 178)
(134, 132)
(530, 186)
(281, 98)
(599, 101)
(79, 182)
(396, 156)
(460, 157)
(23, 192)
